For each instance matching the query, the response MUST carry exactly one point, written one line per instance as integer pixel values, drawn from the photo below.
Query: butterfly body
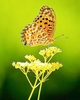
(41, 31)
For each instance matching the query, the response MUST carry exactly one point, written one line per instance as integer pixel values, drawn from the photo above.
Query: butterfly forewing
(40, 32)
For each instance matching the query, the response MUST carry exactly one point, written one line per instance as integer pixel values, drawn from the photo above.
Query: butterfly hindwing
(40, 32)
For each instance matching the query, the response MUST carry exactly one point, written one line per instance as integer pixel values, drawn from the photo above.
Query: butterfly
(41, 31)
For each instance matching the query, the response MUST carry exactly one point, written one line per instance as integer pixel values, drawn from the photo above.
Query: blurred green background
(63, 84)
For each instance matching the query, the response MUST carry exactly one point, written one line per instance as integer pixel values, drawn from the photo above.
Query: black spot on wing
(45, 23)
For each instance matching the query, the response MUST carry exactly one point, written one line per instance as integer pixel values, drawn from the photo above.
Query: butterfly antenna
(58, 36)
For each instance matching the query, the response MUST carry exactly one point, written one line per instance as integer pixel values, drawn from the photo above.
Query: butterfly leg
(41, 47)
(48, 45)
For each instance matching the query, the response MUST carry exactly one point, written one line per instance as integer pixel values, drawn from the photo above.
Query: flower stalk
(41, 70)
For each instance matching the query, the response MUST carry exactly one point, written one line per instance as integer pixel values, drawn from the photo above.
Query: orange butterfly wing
(41, 31)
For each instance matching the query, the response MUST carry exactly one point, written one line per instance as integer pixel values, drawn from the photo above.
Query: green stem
(44, 59)
(39, 91)
(46, 76)
(29, 81)
(27, 78)
(40, 87)
(33, 89)
(41, 80)
(50, 58)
